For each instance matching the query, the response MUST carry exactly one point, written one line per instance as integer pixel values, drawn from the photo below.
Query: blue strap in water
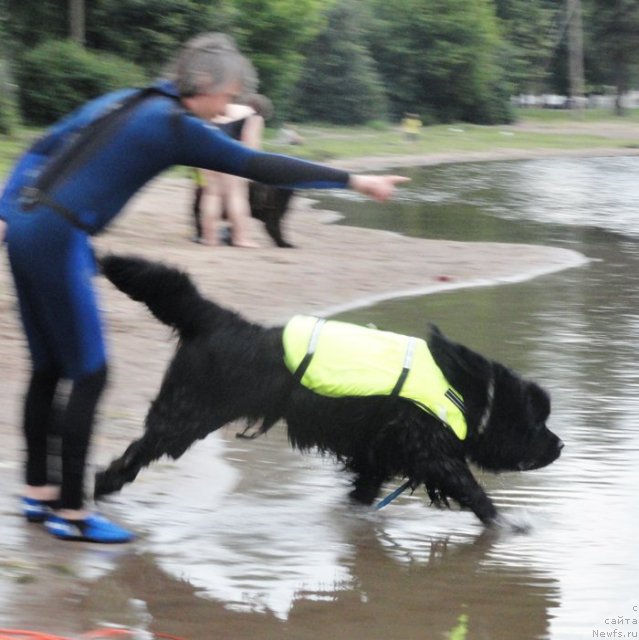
(391, 496)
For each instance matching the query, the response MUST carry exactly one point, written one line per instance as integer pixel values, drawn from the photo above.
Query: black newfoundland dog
(227, 369)
(267, 203)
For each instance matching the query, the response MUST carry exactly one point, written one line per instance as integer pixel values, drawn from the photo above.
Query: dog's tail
(169, 293)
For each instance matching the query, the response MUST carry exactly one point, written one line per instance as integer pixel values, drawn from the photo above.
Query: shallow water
(577, 333)
(251, 540)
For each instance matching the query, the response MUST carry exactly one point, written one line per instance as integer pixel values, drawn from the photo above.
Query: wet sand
(42, 581)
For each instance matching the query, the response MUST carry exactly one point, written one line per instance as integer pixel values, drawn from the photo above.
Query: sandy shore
(335, 267)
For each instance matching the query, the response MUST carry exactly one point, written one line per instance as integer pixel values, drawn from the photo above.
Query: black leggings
(73, 422)
(197, 211)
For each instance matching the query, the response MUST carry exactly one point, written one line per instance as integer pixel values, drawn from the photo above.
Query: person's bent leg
(198, 196)
(239, 212)
(76, 436)
(40, 495)
(212, 208)
(71, 521)
(38, 409)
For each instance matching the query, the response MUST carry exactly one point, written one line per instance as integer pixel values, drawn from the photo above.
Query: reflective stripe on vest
(350, 360)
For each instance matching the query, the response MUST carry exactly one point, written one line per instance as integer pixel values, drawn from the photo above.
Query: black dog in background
(268, 204)
(226, 368)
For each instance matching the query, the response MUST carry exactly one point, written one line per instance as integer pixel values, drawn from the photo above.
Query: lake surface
(251, 540)
(577, 333)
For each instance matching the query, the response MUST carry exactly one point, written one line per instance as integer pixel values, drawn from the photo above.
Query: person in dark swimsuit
(71, 184)
(224, 195)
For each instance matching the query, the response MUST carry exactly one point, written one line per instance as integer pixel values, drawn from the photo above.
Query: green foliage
(340, 83)
(274, 35)
(143, 32)
(149, 33)
(614, 38)
(59, 75)
(442, 56)
(445, 59)
(30, 22)
(532, 29)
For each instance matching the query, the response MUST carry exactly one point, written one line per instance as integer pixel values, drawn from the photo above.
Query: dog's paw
(519, 523)
(363, 496)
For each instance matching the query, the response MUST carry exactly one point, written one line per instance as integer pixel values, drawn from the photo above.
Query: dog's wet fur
(226, 369)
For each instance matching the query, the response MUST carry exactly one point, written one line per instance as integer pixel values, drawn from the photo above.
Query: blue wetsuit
(50, 256)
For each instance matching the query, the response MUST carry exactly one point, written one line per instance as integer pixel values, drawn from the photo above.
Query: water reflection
(408, 581)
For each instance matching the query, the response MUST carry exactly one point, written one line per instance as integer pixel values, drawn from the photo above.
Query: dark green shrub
(59, 75)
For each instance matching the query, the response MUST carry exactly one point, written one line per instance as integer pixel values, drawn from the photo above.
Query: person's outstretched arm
(204, 145)
(378, 187)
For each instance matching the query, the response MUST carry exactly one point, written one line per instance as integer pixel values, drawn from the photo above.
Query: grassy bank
(534, 129)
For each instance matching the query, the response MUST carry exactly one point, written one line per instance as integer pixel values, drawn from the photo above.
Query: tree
(30, 22)
(146, 33)
(532, 30)
(615, 32)
(33, 21)
(442, 58)
(274, 35)
(77, 20)
(339, 82)
(149, 33)
(58, 75)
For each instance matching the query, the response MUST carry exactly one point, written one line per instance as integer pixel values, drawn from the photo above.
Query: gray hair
(208, 62)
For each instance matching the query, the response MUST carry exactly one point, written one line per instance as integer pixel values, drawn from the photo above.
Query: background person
(411, 126)
(70, 184)
(227, 195)
(288, 134)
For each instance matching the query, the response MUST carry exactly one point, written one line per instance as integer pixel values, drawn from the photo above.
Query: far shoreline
(386, 162)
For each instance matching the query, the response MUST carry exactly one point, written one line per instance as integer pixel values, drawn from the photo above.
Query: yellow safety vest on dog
(338, 359)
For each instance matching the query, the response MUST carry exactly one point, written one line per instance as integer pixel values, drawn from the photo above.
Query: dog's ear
(451, 355)
(538, 403)
(434, 330)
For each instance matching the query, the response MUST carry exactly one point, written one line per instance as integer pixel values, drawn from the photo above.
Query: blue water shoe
(94, 528)
(36, 510)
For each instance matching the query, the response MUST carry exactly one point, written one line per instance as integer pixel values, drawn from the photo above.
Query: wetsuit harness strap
(31, 196)
(84, 142)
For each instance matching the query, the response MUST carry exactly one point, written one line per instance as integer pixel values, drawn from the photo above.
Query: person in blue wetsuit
(69, 185)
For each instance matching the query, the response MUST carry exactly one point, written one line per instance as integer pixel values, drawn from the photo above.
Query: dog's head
(506, 414)
(512, 434)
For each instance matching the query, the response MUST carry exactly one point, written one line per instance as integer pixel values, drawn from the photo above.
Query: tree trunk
(575, 53)
(622, 84)
(76, 21)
